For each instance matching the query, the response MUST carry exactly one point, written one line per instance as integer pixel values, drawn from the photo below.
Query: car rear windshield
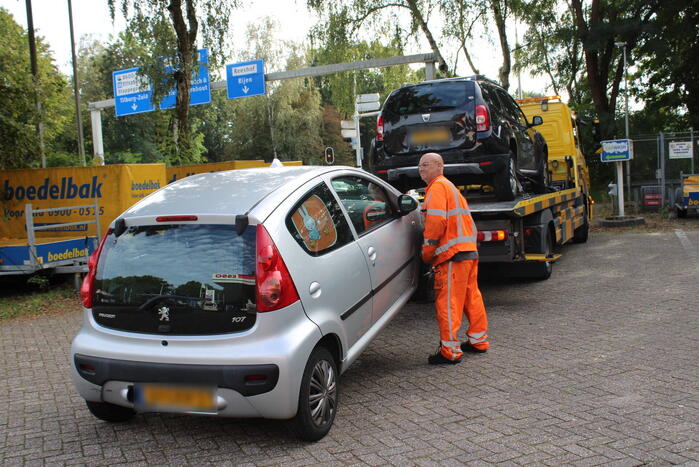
(191, 279)
(429, 98)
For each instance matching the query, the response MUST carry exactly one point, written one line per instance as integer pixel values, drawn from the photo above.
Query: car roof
(228, 192)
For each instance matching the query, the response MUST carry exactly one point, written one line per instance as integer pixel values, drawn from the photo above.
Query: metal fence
(656, 163)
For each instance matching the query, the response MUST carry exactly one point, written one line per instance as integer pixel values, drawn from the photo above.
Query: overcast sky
(92, 17)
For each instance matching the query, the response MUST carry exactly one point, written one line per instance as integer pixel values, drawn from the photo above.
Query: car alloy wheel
(318, 397)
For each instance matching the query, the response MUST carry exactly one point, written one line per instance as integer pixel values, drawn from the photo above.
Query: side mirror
(537, 120)
(406, 204)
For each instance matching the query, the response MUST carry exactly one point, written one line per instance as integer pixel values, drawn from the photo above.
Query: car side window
(491, 99)
(318, 223)
(366, 202)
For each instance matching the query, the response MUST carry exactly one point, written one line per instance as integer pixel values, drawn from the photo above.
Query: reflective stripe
(451, 343)
(455, 192)
(430, 242)
(477, 335)
(455, 241)
(449, 299)
(449, 213)
(477, 341)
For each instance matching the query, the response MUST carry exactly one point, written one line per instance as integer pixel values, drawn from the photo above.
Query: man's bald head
(430, 167)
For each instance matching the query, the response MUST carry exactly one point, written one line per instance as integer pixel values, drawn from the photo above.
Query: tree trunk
(186, 39)
(417, 16)
(500, 18)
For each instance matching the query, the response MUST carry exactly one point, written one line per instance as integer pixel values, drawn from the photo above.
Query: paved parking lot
(598, 365)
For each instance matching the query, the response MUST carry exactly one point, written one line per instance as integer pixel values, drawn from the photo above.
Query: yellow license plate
(169, 397)
(431, 136)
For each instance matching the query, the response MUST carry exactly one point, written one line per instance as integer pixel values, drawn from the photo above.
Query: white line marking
(689, 248)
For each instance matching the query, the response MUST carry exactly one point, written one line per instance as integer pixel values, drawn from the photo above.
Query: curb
(619, 221)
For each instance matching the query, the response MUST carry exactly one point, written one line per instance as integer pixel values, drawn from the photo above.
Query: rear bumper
(118, 360)
(477, 169)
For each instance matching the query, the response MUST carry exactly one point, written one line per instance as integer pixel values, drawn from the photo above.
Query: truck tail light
(482, 118)
(274, 288)
(379, 128)
(492, 235)
(88, 286)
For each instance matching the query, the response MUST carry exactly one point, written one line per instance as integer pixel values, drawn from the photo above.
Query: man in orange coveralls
(450, 248)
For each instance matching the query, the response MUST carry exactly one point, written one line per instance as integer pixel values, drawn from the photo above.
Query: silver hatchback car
(244, 294)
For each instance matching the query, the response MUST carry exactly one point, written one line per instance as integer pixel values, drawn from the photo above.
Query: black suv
(479, 130)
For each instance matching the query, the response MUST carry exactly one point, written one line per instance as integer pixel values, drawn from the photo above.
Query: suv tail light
(482, 118)
(274, 288)
(87, 286)
(379, 128)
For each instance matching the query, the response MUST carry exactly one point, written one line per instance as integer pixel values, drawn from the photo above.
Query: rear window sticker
(314, 224)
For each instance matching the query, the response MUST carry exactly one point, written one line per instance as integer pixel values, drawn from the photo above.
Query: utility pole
(76, 90)
(626, 116)
(37, 87)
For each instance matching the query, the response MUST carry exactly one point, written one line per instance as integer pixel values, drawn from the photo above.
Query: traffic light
(329, 156)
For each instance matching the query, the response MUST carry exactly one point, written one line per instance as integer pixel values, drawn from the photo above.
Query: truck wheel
(506, 181)
(580, 234)
(318, 396)
(109, 412)
(541, 270)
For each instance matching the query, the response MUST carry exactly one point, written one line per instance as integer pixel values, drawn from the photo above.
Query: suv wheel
(543, 177)
(506, 184)
(109, 412)
(318, 396)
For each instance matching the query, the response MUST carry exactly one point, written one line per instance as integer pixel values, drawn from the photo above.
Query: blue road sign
(132, 94)
(245, 79)
(200, 88)
(617, 150)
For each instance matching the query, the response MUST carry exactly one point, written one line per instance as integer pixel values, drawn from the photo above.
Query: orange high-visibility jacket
(449, 227)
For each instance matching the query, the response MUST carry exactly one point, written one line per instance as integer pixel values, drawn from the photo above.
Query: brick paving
(597, 366)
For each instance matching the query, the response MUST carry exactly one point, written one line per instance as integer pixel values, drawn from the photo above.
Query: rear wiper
(157, 298)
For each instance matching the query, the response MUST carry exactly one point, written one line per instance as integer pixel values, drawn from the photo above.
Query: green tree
(169, 30)
(18, 115)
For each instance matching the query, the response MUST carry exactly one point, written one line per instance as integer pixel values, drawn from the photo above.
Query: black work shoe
(467, 347)
(439, 359)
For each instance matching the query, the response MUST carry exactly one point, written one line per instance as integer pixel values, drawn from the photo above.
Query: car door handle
(314, 289)
(371, 253)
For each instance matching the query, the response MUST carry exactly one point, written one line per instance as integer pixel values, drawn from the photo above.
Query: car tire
(543, 177)
(110, 412)
(318, 396)
(506, 184)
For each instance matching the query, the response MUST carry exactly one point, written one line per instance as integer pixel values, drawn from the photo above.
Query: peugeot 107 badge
(164, 313)
(425, 118)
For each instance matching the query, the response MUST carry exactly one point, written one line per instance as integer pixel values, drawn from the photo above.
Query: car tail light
(274, 288)
(379, 128)
(482, 118)
(492, 235)
(88, 284)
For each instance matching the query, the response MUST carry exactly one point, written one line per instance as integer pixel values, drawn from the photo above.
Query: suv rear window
(178, 279)
(428, 98)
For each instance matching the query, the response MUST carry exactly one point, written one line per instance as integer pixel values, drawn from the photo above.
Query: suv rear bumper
(478, 170)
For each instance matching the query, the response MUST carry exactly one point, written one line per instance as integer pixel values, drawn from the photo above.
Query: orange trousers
(457, 294)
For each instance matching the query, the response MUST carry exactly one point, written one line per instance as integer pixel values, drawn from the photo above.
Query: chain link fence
(658, 160)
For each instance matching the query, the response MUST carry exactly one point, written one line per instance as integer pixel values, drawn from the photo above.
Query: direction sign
(617, 150)
(347, 124)
(361, 98)
(245, 79)
(199, 89)
(346, 133)
(367, 106)
(132, 93)
(681, 150)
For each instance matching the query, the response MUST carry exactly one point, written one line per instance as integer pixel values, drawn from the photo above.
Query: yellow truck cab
(560, 130)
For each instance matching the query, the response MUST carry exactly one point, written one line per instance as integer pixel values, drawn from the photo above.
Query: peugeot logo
(425, 118)
(164, 313)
